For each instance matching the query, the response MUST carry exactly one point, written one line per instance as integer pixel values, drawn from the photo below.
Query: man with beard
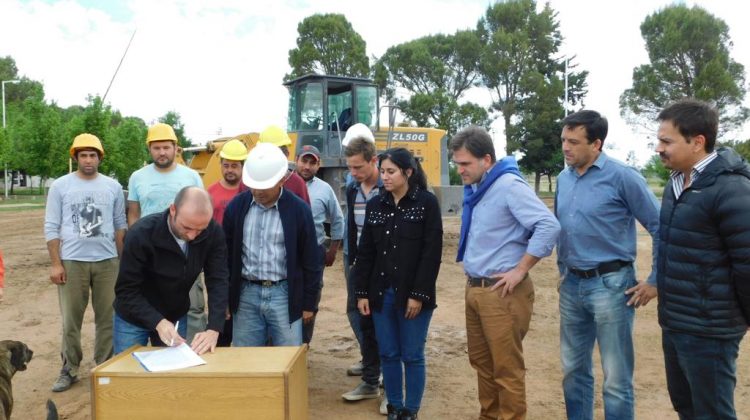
(82, 261)
(232, 155)
(152, 189)
(163, 254)
(703, 269)
(324, 206)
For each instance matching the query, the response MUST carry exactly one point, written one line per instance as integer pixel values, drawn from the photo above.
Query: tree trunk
(549, 182)
(537, 179)
(508, 149)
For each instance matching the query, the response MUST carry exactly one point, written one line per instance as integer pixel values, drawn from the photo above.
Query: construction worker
(325, 206)
(152, 189)
(84, 227)
(232, 155)
(293, 182)
(273, 254)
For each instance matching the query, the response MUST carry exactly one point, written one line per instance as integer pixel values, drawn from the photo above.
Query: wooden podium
(235, 383)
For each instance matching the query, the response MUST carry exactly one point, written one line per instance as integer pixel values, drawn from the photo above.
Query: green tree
(688, 49)
(743, 148)
(129, 134)
(327, 44)
(654, 168)
(436, 70)
(516, 40)
(537, 131)
(38, 140)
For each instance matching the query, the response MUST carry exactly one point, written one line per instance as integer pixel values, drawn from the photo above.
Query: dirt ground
(30, 313)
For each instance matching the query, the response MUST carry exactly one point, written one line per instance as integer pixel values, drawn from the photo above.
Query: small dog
(14, 355)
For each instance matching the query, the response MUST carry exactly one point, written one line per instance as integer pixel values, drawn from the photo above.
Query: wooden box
(235, 383)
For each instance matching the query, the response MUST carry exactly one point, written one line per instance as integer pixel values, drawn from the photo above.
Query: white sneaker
(361, 392)
(384, 406)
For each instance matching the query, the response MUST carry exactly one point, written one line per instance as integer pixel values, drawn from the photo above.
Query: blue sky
(220, 63)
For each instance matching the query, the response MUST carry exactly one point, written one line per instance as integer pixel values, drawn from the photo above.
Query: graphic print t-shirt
(84, 215)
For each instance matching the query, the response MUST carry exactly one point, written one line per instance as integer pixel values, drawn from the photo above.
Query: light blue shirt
(324, 207)
(597, 212)
(155, 191)
(84, 215)
(509, 221)
(263, 250)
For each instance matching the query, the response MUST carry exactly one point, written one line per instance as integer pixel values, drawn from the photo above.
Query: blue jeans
(595, 309)
(700, 375)
(126, 335)
(364, 331)
(402, 341)
(264, 311)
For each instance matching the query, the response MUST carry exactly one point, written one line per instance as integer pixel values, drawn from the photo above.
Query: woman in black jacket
(395, 273)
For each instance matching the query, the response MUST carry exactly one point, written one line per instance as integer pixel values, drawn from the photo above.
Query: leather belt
(480, 281)
(266, 283)
(601, 269)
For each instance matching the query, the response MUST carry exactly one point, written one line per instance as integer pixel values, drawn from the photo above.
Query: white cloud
(220, 64)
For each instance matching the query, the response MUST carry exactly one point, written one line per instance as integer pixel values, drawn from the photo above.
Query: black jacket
(401, 246)
(703, 269)
(303, 268)
(351, 225)
(155, 275)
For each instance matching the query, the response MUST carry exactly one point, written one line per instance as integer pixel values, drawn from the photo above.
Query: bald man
(163, 254)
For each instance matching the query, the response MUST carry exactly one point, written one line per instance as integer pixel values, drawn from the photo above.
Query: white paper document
(169, 358)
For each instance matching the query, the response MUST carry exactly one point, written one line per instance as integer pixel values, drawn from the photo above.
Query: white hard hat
(265, 166)
(358, 130)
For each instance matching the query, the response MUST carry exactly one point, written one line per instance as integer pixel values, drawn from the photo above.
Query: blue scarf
(506, 165)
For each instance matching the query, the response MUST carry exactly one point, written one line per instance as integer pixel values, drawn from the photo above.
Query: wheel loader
(321, 109)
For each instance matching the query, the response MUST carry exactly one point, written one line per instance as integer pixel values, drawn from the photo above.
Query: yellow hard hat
(161, 132)
(86, 140)
(266, 165)
(234, 150)
(275, 135)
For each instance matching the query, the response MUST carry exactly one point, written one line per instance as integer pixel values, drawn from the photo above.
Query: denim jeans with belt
(401, 343)
(126, 334)
(263, 311)
(701, 375)
(595, 310)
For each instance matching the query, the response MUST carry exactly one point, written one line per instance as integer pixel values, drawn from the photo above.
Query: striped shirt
(678, 178)
(360, 205)
(263, 250)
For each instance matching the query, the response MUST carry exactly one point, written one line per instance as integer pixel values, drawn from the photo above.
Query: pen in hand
(176, 326)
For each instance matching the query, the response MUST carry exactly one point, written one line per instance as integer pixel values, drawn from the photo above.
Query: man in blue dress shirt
(505, 230)
(597, 203)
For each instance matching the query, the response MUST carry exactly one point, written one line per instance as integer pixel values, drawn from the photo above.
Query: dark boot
(393, 414)
(405, 414)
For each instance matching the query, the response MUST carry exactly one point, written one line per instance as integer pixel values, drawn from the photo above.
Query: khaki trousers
(80, 277)
(495, 328)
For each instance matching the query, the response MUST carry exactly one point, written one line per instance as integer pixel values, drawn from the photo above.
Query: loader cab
(322, 108)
